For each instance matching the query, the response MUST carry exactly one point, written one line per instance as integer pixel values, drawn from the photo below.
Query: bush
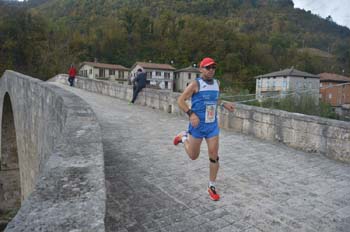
(300, 103)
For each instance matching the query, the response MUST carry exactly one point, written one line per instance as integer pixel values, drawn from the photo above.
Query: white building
(183, 77)
(113, 72)
(158, 75)
(286, 80)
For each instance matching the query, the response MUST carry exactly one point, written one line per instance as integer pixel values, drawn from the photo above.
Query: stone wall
(308, 133)
(159, 99)
(60, 157)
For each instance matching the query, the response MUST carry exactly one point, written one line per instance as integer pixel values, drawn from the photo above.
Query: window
(111, 72)
(321, 85)
(189, 76)
(166, 75)
(121, 74)
(197, 75)
(149, 74)
(330, 96)
(284, 84)
(158, 74)
(166, 85)
(90, 71)
(101, 72)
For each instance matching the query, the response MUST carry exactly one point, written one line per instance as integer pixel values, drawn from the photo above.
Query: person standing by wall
(204, 94)
(138, 84)
(72, 72)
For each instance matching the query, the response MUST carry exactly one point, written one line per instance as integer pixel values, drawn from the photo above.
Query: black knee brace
(214, 161)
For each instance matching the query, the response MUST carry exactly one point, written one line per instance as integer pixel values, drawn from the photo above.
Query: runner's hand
(229, 106)
(194, 120)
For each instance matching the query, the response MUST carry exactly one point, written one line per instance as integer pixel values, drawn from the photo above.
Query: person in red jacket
(72, 72)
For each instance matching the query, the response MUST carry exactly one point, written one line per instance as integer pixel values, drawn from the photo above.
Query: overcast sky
(338, 9)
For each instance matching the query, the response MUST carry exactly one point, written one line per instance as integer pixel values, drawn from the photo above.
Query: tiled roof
(154, 66)
(188, 69)
(291, 72)
(103, 65)
(332, 77)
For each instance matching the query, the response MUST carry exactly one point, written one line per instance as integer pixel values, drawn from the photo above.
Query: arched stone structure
(51, 142)
(10, 191)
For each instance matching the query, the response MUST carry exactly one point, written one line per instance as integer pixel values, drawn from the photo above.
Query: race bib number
(210, 112)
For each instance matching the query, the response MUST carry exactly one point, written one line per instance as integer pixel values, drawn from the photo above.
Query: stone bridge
(75, 160)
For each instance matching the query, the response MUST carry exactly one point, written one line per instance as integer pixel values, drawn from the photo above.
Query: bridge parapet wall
(60, 158)
(308, 133)
(158, 99)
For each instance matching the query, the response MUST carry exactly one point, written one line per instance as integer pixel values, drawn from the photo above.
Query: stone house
(158, 75)
(102, 71)
(335, 89)
(184, 76)
(287, 80)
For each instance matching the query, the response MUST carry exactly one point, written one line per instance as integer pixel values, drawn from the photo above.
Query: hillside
(246, 37)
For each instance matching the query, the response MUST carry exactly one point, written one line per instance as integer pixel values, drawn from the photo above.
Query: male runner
(204, 93)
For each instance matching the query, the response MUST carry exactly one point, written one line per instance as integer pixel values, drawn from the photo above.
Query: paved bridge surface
(153, 186)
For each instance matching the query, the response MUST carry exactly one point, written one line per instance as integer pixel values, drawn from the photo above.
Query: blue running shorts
(204, 130)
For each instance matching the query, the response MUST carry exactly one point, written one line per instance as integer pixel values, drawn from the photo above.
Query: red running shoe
(178, 138)
(213, 194)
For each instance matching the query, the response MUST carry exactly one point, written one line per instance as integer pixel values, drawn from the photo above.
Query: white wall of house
(121, 74)
(282, 84)
(183, 79)
(301, 83)
(156, 77)
(103, 73)
(87, 71)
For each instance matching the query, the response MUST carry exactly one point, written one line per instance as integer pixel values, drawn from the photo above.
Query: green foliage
(29, 45)
(6, 216)
(303, 103)
(247, 38)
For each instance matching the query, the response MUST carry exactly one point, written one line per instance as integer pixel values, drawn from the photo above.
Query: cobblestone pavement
(153, 186)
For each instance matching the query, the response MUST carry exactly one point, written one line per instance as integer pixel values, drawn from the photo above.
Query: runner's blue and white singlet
(204, 102)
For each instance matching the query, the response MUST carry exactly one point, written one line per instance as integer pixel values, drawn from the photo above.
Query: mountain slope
(247, 37)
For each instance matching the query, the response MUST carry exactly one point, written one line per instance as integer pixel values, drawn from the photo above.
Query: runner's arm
(187, 94)
(230, 106)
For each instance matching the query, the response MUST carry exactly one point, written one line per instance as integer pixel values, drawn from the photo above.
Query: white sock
(211, 183)
(184, 138)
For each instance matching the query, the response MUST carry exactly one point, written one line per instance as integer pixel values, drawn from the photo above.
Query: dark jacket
(141, 80)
